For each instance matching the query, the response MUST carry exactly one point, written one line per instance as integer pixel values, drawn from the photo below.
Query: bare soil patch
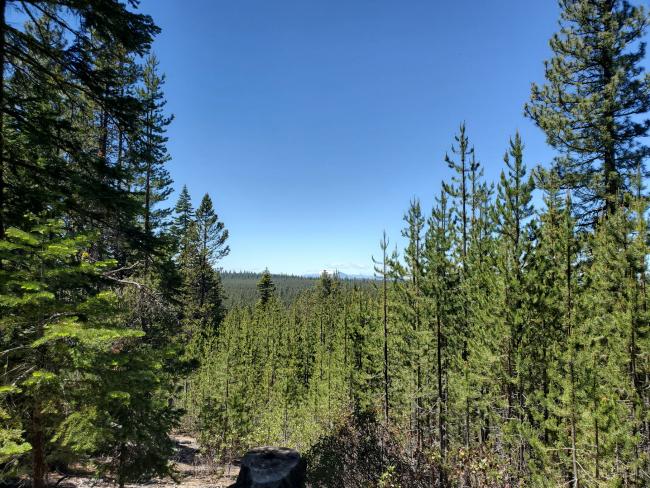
(194, 471)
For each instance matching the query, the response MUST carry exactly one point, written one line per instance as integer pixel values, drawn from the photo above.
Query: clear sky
(313, 123)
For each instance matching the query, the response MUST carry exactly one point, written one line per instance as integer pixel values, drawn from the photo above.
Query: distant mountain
(343, 276)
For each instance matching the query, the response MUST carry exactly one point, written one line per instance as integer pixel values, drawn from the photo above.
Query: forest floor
(194, 471)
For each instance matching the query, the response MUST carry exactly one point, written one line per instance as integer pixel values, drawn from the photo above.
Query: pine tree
(212, 236)
(78, 181)
(202, 245)
(459, 187)
(594, 101)
(81, 141)
(362, 370)
(552, 287)
(149, 152)
(212, 232)
(639, 332)
(381, 268)
(201, 290)
(460, 191)
(126, 418)
(544, 339)
(513, 210)
(441, 281)
(412, 311)
(183, 217)
(608, 329)
(265, 287)
(481, 370)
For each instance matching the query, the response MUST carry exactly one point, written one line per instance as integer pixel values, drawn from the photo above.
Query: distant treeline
(240, 287)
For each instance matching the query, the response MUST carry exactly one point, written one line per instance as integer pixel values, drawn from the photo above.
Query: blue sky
(312, 124)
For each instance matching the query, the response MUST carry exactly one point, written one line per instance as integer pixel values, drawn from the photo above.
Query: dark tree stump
(271, 467)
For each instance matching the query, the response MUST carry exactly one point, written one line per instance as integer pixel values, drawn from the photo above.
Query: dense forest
(507, 344)
(240, 287)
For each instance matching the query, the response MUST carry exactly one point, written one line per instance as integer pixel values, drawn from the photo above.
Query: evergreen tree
(149, 152)
(69, 178)
(51, 327)
(202, 245)
(593, 104)
(553, 288)
(82, 146)
(462, 196)
(441, 281)
(608, 425)
(513, 211)
(265, 287)
(362, 365)
(484, 332)
(212, 236)
(212, 232)
(639, 329)
(183, 217)
(201, 290)
(459, 187)
(412, 312)
(381, 268)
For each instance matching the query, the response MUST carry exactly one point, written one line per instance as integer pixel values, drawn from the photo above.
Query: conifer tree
(51, 327)
(639, 332)
(412, 311)
(265, 287)
(552, 286)
(513, 210)
(202, 245)
(149, 152)
(362, 372)
(212, 232)
(481, 304)
(459, 189)
(183, 217)
(441, 287)
(593, 104)
(79, 181)
(201, 290)
(381, 268)
(609, 424)
(212, 236)
(81, 140)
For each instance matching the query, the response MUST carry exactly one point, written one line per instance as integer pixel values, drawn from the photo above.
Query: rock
(271, 467)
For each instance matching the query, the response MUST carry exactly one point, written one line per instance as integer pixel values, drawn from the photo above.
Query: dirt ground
(194, 471)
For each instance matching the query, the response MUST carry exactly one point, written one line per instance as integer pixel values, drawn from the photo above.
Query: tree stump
(271, 467)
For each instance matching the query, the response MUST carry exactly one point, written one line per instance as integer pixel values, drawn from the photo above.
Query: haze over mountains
(341, 275)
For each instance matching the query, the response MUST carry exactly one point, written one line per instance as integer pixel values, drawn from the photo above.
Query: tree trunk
(574, 460)
(385, 317)
(3, 5)
(39, 468)
(569, 312)
(441, 402)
